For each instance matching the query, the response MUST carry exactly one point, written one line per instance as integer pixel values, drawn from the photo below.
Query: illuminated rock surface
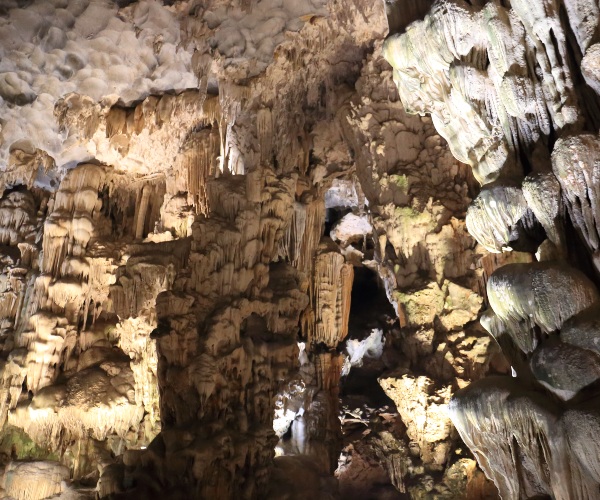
(504, 84)
(235, 265)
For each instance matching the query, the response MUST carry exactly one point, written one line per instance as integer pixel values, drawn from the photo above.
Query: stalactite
(494, 214)
(141, 213)
(330, 300)
(525, 92)
(528, 295)
(34, 480)
(509, 428)
(575, 164)
(264, 127)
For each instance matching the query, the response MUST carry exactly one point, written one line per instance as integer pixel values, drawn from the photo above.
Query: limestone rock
(528, 295)
(33, 480)
(583, 329)
(351, 229)
(501, 84)
(565, 369)
(423, 409)
(433, 77)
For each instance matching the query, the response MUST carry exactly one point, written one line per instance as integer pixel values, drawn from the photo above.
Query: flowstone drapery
(506, 86)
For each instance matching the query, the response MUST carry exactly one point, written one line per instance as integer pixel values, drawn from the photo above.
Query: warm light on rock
(263, 249)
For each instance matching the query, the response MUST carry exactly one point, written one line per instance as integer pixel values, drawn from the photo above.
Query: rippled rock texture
(513, 90)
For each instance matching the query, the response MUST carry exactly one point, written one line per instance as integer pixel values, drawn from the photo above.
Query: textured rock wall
(430, 267)
(511, 89)
(188, 191)
(162, 209)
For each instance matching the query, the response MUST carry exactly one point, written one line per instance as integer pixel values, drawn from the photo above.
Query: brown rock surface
(235, 265)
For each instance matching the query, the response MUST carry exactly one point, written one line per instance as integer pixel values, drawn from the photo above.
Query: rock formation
(271, 249)
(511, 89)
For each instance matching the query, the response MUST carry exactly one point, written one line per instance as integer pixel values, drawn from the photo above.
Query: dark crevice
(370, 309)
(332, 216)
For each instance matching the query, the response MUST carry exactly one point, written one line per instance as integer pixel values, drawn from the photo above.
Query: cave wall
(512, 90)
(164, 211)
(187, 190)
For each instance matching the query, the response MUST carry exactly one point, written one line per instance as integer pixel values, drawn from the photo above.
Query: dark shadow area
(332, 216)
(400, 13)
(366, 409)
(370, 310)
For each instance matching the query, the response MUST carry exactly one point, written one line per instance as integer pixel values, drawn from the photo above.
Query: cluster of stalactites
(576, 164)
(498, 81)
(170, 158)
(302, 236)
(326, 321)
(197, 162)
(495, 80)
(61, 289)
(525, 444)
(57, 352)
(530, 297)
(241, 287)
(69, 227)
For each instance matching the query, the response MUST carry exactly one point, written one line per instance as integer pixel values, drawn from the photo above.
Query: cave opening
(370, 353)
(372, 318)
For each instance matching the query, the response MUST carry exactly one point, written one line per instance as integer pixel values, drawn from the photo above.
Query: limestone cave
(300, 249)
